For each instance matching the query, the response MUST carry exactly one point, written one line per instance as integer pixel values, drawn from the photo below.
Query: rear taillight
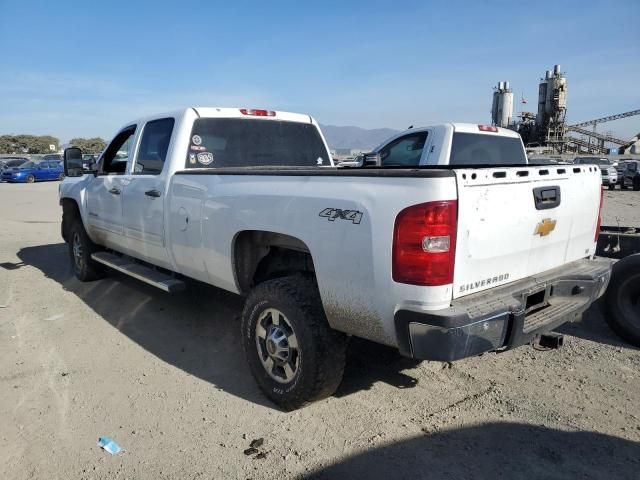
(599, 224)
(424, 244)
(257, 113)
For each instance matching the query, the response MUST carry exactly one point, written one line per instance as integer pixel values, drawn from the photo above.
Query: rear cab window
(485, 149)
(239, 142)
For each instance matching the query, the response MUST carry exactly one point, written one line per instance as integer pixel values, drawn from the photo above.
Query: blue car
(30, 172)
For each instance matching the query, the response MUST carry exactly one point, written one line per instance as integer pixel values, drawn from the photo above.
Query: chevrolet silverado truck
(444, 243)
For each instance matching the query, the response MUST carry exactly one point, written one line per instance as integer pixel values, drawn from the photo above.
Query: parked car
(607, 170)
(436, 237)
(546, 161)
(29, 172)
(620, 168)
(11, 162)
(88, 159)
(632, 175)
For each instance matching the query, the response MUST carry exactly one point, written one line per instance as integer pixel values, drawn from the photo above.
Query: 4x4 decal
(337, 213)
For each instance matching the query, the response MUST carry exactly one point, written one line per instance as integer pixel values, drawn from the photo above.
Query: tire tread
(327, 366)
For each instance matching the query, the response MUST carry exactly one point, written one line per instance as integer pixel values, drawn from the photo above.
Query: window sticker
(205, 158)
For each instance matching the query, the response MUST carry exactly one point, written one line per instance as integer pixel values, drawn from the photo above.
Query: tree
(27, 144)
(89, 145)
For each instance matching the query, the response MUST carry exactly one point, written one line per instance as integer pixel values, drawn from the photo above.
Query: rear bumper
(503, 317)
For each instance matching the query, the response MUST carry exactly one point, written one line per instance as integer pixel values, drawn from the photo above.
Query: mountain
(355, 137)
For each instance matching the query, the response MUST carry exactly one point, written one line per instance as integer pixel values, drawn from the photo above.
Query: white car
(607, 170)
(444, 243)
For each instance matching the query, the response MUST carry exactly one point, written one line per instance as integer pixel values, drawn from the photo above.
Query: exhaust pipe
(549, 341)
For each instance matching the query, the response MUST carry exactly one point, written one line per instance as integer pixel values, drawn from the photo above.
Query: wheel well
(260, 256)
(70, 212)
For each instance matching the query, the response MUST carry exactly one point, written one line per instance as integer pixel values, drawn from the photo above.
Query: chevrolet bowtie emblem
(545, 227)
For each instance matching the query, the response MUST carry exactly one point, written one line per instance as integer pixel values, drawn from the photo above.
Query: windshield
(27, 165)
(479, 149)
(591, 161)
(238, 142)
(15, 163)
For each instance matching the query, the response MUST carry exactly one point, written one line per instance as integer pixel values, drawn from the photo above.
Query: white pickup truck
(444, 244)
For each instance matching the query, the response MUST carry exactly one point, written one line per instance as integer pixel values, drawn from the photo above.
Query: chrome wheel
(277, 345)
(77, 251)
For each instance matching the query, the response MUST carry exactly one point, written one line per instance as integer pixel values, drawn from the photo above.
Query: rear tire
(636, 185)
(622, 299)
(31, 179)
(61, 177)
(612, 187)
(80, 249)
(293, 354)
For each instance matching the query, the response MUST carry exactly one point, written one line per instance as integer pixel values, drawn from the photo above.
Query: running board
(141, 272)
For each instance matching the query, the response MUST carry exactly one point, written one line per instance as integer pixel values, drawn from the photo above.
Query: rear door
(42, 171)
(516, 222)
(144, 196)
(51, 170)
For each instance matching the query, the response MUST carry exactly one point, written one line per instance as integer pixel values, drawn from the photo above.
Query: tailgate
(505, 234)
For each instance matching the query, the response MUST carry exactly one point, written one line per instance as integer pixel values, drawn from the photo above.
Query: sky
(73, 69)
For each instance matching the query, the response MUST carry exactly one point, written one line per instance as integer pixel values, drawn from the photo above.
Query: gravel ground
(165, 377)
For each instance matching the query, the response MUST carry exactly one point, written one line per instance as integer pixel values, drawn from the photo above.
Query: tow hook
(548, 341)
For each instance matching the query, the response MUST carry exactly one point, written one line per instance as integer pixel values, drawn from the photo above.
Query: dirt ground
(165, 377)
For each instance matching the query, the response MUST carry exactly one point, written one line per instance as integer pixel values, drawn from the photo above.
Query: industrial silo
(502, 106)
(556, 97)
(542, 99)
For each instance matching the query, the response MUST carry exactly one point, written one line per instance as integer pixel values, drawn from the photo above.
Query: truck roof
(230, 112)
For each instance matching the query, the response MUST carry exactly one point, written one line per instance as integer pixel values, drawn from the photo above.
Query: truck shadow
(197, 331)
(494, 450)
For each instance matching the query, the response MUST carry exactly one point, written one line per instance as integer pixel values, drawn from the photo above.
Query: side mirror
(73, 162)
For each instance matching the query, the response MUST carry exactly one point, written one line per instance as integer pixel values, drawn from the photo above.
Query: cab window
(114, 160)
(404, 151)
(154, 146)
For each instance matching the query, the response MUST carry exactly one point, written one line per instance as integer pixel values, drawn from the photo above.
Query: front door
(144, 196)
(105, 192)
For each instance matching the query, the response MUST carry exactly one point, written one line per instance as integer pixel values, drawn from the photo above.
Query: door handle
(115, 191)
(152, 193)
(546, 197)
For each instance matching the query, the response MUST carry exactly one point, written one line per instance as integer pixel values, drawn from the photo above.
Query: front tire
(622, 299)
(31, 179)
(293, 354)
(80, 249)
